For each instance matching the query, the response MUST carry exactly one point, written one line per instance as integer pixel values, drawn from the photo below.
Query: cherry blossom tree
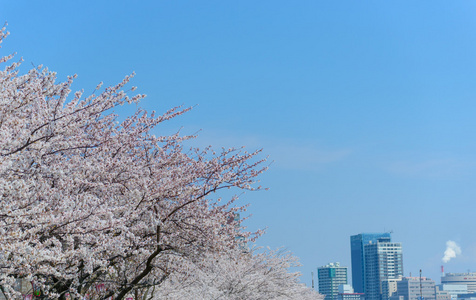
(93, 206)
(236, 275)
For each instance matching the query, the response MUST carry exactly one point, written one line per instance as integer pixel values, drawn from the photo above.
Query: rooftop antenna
(421, 296)
(312, 275)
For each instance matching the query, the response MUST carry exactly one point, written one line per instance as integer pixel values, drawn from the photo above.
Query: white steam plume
(452, 249)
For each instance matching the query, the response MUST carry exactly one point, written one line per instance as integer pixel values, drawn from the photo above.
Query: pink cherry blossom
(88, 201)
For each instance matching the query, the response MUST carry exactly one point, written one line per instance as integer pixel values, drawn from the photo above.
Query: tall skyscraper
(330, 277)
(357, 243)
(383, 261)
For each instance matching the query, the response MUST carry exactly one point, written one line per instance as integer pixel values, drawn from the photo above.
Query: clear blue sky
(367, 108)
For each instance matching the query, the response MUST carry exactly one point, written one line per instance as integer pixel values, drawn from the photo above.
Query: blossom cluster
(86, 200)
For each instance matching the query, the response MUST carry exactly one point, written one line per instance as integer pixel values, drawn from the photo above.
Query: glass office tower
(357, 243)
(383, 262)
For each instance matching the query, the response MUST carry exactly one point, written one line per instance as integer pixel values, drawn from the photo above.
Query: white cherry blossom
(93, 206)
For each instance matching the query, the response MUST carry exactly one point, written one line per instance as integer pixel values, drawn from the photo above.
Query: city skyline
(377, 272)
(357, 265)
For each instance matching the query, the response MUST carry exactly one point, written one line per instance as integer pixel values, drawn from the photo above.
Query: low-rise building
(415, 288)
(442, 295)
(453, 289)
(346, 292)
(470, 296)
(389, 287)
(468, 279)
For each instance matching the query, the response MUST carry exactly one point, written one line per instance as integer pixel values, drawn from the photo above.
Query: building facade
(453, 289)
(330, 277)
(389, 287)
(415, 288)
(346, 292)
(468, 279)
(357, 251)
(471, 296)
(442, 295)
(383, 261)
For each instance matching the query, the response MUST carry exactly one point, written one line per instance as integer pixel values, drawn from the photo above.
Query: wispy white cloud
(434, 168)
(305, 157)
(291, 154)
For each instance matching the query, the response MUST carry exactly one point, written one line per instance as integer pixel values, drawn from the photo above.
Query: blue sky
(367, 108)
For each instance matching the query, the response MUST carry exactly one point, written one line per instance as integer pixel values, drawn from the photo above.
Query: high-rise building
(415, 288)
(330, 277)
(357, 243)
(383, 261)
